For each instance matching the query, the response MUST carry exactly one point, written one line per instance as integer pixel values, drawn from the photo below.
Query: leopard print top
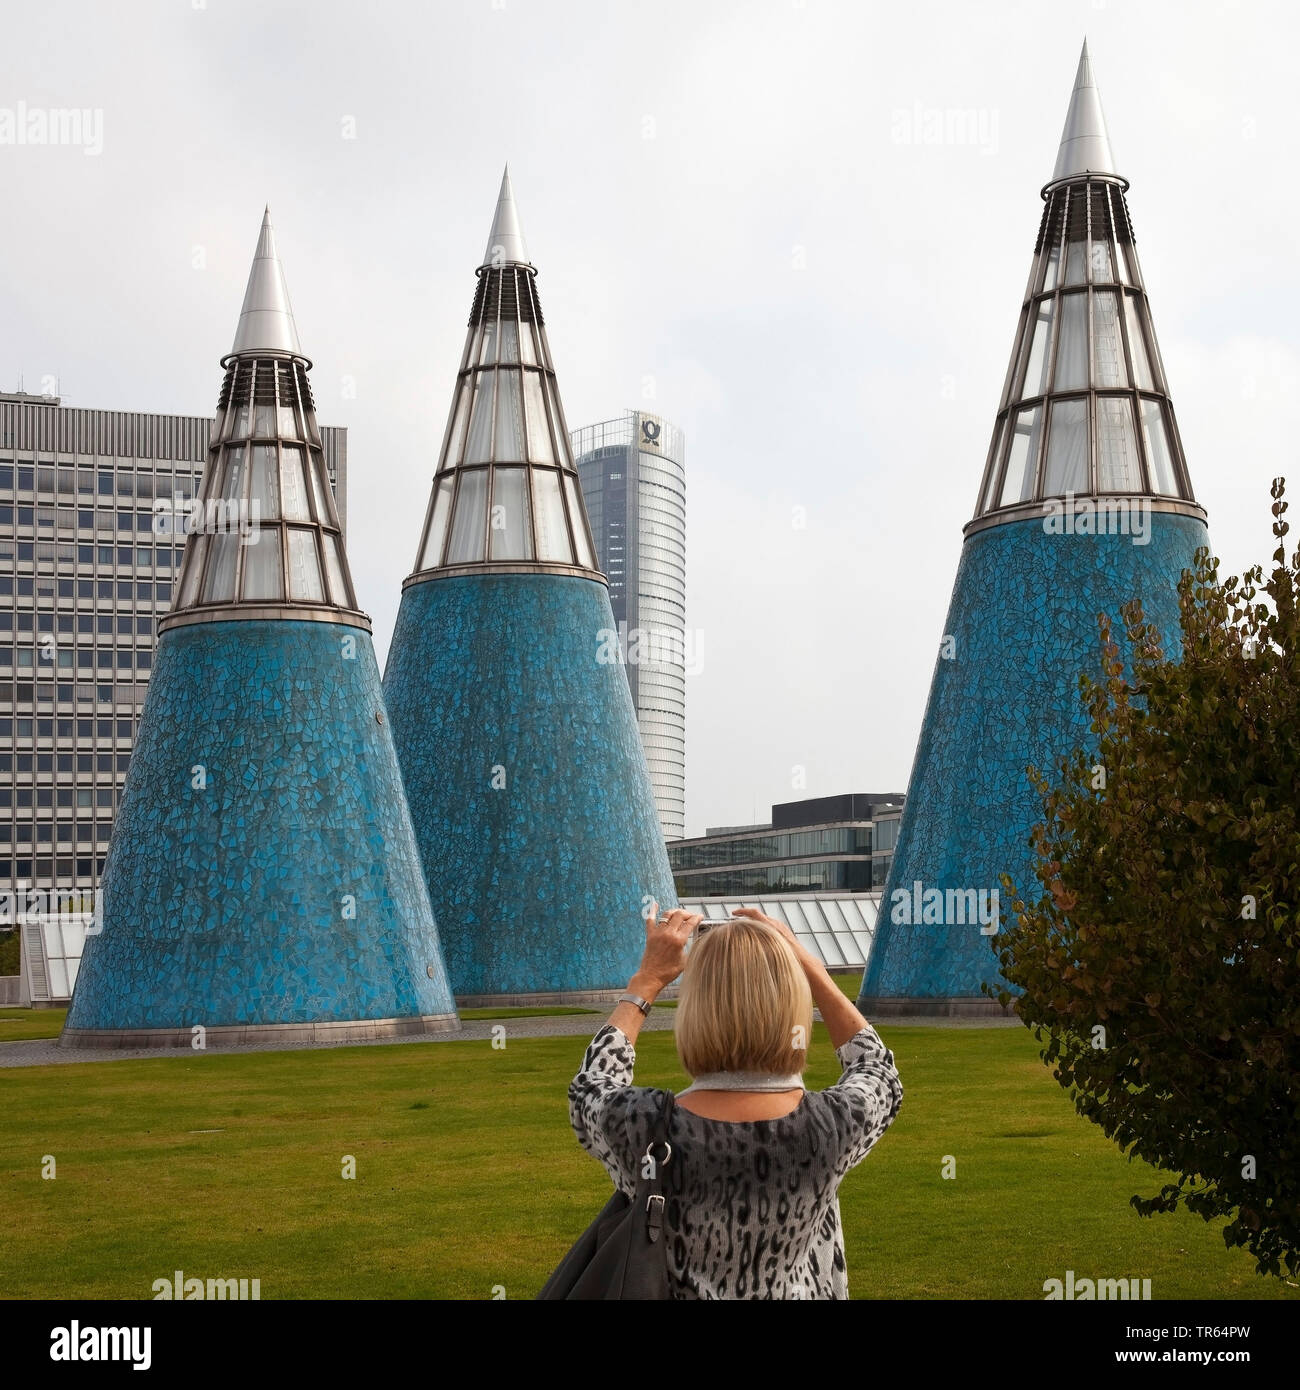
(753, 1208)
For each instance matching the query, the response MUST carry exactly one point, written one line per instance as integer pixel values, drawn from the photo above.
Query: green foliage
(1161, 965)
(9, 964)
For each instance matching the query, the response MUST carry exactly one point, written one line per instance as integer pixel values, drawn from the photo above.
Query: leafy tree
(9, 962)
(1161, 965)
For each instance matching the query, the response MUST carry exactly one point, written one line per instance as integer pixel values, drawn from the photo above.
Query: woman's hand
(664, 957)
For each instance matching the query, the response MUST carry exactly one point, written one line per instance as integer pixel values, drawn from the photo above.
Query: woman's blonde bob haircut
(744, 1003)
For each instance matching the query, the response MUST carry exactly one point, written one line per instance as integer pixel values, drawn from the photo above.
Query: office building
(817, 865)
(633, 473)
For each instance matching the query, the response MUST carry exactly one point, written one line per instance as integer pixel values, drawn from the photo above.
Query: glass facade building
(633, 472)
(91, 514)
(824, 844)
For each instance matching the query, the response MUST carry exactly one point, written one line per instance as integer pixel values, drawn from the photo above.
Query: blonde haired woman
(753, 1182)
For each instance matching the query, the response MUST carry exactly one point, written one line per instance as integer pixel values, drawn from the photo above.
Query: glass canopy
(268, 532)
(1085, 407)
(506, 490)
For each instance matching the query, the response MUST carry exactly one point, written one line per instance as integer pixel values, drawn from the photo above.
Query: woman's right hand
(664, 957)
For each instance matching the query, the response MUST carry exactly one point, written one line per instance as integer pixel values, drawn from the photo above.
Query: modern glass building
(88, 565)
(823, 844)
(633, 472)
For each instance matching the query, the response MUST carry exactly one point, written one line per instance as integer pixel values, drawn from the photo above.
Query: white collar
(744, 1081)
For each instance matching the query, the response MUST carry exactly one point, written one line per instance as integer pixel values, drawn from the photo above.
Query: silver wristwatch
(642, 1004)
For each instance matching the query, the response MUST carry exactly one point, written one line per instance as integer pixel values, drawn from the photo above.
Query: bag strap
(661, 1151)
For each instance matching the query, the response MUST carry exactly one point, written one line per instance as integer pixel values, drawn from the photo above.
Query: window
(1137, 344)
(1018, 484)
(1036, 370)
(510, 536)
(262, 567)
(1157, 446)
(1117, 458)
(304, 570)
(1072, 347)
(552, 533)
(468, 523)
(1107, 344)
(1067, 450)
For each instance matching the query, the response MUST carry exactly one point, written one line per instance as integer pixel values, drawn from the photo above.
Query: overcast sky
(739, 220)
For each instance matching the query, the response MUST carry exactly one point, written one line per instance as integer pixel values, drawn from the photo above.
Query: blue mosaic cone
(263, 880)
(512, 716)
(1085, 504)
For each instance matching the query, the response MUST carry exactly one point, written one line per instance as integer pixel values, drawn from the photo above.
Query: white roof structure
(838, 927)
(1085, 143)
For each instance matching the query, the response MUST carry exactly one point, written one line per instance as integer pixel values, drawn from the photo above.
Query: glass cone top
(264, 532)
(1085, 410)
(506, 495)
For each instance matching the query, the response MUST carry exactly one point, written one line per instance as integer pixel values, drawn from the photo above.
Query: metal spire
(506, 240)
(266, 320)
(1085, 144)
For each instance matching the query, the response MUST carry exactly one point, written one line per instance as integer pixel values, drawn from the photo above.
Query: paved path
(43, 1052)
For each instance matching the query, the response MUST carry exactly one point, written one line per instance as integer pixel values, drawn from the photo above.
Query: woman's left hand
(665, 944)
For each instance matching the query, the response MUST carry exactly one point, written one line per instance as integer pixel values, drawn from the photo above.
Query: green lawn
(19, 1024)
(467, 1176)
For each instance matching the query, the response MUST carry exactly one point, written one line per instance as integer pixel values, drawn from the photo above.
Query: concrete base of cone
(213, 1039)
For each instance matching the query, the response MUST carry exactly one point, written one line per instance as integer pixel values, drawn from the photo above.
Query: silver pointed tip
(266, 322)
(1085, 142)
(506, 239)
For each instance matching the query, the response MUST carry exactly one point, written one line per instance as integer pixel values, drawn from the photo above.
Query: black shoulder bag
(623, 1254)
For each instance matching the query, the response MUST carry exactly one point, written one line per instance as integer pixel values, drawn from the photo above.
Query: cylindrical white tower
(633, 472)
